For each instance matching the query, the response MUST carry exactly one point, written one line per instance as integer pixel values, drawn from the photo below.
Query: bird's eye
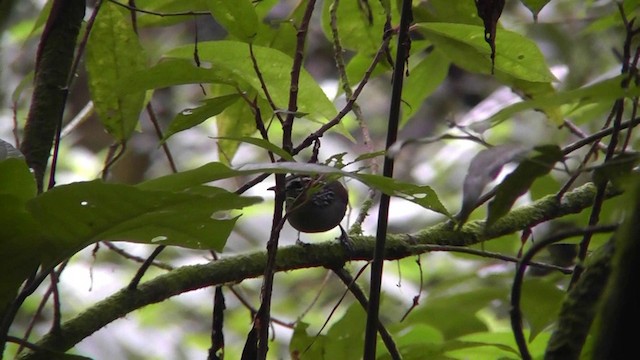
(296, 183)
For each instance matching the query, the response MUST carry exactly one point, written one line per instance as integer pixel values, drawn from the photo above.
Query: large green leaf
(16, 179)
(518, 61)
(275, 67)
(345, 339)
(235, 121)
(79, 214)
(170, 72)
(455, 314)
(605, 91)
(189, 118)
(19, 234)
(517, 57)
(238, 17)
(420, 194)
(113, 55)
(424, 78)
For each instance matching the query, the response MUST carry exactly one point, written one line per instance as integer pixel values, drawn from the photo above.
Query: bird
(314, 205)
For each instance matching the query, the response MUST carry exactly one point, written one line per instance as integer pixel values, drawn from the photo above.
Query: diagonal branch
(328, 254)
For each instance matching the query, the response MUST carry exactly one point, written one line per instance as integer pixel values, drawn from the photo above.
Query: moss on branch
(331, 254)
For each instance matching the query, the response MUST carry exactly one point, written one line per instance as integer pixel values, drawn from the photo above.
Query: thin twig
(416, 299)
(296, 68)
(143, 268)
(135, 258)
(161, 14)
(348, 106)
(263, 84)
(167, 152)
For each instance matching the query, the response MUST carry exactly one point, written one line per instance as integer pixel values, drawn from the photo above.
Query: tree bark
(53, 65)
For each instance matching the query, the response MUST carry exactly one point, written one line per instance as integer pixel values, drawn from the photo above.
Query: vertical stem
(377, 265)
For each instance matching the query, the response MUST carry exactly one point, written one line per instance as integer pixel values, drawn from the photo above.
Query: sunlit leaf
(424, 78)
(354, 28)
(275, 68)
(236, 121)
(114, 54)
(604, 91)
(170, 72)
(189, 118)
(518, 58)
(269, 146)
(238, 17)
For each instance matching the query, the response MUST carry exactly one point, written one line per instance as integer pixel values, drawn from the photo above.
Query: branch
(53, 64)
(327, 254)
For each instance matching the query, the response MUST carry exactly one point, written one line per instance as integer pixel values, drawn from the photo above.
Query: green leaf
(604, 91)
(517, 57)
(535, 6)
(269, 146)
(345, 339)
(424, 78)
(519, 62)
(304, 346)
(113, 55)
(355, 31)
(238, 17)
(238, 120)
(21, 242)
(167, 7)
(541, 302)
(16, 179)
(520, 180)
(79, 214)
(170, 72)
(415, 341)
(189, 118)
(455, 315)
(493, 345)
(419, 194)
(275, 67)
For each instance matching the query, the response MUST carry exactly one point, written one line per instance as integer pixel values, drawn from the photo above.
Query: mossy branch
(330, 254)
